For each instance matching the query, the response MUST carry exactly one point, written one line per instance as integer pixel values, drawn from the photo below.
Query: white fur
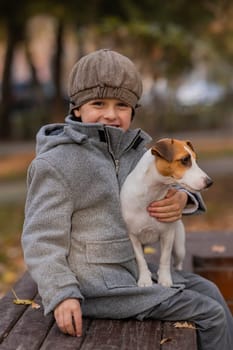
(143, 186)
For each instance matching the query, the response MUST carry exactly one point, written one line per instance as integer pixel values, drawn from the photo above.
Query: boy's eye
(97, 103)
(122, 105)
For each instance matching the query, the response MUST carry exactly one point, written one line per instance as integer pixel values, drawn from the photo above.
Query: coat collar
(117, 139)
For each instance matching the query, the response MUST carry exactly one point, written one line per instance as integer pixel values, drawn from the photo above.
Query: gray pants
(202, 303)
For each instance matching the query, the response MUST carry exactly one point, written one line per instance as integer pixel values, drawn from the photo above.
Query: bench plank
(30, 330)
(122, 335)
(25, 288)
(59, 341)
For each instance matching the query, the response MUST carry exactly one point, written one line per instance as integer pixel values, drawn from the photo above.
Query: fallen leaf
(22, 301)
(18, 301)
(184, 325)
(165, 340)
(218, 248)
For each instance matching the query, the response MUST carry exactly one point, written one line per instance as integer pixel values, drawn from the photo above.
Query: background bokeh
(184, 51)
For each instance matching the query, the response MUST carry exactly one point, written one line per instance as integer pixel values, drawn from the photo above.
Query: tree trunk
(15, 33)
(7, 97)
(58, 105)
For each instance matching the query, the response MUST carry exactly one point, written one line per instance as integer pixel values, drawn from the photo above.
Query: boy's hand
(170, 208)
(68, 316)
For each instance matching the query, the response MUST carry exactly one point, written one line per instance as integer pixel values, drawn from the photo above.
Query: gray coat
(74, 238)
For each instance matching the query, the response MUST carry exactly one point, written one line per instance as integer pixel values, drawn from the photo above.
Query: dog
(169, 162)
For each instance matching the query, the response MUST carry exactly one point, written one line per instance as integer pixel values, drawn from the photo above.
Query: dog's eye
(186, 160)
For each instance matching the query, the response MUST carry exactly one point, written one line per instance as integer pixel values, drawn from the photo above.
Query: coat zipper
(117, 161)
(117, 165)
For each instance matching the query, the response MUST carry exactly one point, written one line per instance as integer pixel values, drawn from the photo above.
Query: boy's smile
(112, 112)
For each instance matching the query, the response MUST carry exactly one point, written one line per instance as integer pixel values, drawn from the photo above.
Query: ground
(215, 155)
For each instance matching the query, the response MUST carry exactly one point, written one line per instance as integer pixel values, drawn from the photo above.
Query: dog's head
(176, 160)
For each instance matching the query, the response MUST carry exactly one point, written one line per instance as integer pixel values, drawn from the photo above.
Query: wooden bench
(25, 328)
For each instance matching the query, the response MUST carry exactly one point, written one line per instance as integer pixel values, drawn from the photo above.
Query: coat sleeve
(195, 203)
(46, 234)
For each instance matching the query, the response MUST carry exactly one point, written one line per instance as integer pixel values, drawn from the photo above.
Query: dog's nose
(209, 182)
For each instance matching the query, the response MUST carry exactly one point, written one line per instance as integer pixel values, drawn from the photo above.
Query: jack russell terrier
(169, 162)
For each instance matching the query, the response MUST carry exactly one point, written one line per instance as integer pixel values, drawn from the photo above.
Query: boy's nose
(110, 114)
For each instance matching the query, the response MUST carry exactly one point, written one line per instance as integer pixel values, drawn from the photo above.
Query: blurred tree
(81, 14)
(160, 35)
(14, 17)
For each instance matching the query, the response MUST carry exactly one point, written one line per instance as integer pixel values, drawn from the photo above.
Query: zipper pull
(117, 165)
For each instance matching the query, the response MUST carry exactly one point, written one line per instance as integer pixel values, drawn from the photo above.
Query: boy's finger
(60, 321)
(171, 192)
(77, 323)
(68, 324)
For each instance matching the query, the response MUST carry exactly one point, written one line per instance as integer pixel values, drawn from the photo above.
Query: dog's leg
(179, 246)
(144, 279)
(164, 271)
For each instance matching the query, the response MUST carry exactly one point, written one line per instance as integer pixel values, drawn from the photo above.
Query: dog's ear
(189, 143)
(163, 149)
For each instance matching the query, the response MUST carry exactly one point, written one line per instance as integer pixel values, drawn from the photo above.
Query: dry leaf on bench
(165, 340)
(184, 325)
(18, 301)
(22, 301)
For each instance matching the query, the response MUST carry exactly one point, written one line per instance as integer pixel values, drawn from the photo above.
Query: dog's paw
(165, 281)
(179, 267)
(166, 284)
(145, 281)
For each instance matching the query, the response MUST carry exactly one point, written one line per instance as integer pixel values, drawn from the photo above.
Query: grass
(14, 167)
(11, 257)
(213, 154)
(214, 150)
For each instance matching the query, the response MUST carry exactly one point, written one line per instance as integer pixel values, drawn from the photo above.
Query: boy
(74, 239)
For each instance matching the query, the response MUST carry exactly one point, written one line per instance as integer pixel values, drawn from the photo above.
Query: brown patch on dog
(172, 159)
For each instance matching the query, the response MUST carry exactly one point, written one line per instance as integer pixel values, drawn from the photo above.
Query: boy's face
(107, 111)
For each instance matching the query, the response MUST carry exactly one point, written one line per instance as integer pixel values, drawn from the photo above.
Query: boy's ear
(76, 112)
